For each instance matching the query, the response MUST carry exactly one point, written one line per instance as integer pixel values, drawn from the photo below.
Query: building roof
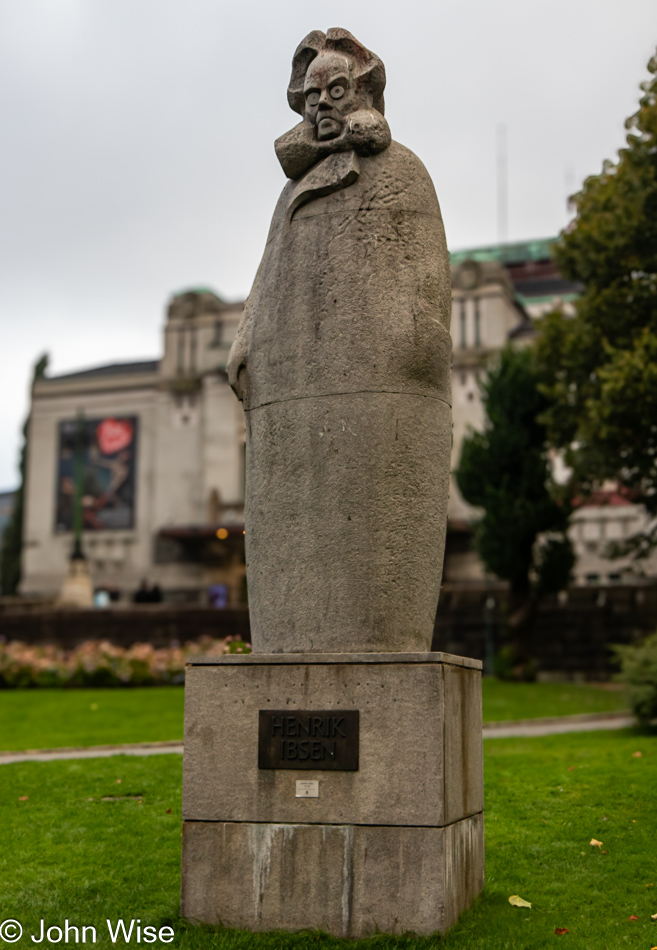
(110, 369)
(517, 252)
(533, 270)
(198, 290)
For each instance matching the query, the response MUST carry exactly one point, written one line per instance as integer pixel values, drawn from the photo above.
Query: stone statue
(342, 362)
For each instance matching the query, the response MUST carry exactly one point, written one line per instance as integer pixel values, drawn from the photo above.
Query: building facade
(161, 448)
(157, 447)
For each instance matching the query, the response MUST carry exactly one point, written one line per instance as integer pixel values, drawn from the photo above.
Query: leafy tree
(505, 471)
(12, 536)
(599, 369)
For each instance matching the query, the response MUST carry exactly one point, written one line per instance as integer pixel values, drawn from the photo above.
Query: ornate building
(161, 448)
(160, 445)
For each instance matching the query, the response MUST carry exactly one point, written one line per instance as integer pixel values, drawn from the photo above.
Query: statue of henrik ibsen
(342, 363)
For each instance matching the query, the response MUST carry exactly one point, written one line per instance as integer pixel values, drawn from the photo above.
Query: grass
(530, 700)
(67, 853)
(47, 718)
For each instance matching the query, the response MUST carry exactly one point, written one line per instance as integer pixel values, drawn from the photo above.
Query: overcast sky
(137, 144)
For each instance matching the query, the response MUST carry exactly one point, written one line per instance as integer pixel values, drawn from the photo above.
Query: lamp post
(78, 520)
(489, 663)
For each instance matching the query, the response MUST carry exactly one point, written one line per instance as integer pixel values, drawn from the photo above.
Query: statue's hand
(366, 132)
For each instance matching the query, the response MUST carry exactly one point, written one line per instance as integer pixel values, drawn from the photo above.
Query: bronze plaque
(300, 739)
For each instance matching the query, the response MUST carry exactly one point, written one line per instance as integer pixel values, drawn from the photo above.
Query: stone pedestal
(77, 589)
(395, 845)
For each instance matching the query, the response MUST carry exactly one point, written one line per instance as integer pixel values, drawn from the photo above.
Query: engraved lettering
(308, 739)
(335, 727)
(277, 725)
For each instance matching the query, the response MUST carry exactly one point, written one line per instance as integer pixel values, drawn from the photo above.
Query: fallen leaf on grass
(23, 798)
(637, 755)
(571, 768)
(633, 917)
(518, 901)
(118, 781)
(653, 916)
(605, 852)
(168, 811)
(595, 843)
(561, 930)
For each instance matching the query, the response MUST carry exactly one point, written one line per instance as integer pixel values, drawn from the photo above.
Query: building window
(218, 338)
(477, 323)
(462, 323)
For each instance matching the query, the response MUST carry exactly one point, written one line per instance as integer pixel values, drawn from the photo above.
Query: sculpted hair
(370, 71)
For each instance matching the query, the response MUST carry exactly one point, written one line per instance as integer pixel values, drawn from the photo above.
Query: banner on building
(107, 449)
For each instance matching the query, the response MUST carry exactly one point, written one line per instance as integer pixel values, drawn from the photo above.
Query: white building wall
(116, 556)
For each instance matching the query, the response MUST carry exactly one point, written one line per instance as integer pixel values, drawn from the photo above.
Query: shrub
(99, 663)
(639, 674)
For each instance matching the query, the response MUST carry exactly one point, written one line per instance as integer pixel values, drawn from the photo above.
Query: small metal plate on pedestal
(308, 789)
(308, 739)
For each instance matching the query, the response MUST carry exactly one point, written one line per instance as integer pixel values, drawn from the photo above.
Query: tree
(599, 368)
(12, 536)
(505, 471)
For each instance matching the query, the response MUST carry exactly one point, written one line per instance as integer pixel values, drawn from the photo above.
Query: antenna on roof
(502, 185)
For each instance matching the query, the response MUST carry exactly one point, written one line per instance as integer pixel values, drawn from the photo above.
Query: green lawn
(46, 718)
(530, 700)
(66, 853)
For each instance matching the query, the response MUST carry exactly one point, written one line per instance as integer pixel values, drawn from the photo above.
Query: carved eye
(312, 98)
(337, 92)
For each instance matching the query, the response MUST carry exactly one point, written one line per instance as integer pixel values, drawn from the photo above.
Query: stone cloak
(343, 363)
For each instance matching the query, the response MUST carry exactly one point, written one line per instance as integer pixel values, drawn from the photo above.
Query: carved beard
(365, 132)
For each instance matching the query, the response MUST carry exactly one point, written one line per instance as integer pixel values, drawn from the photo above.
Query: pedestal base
(394, 846)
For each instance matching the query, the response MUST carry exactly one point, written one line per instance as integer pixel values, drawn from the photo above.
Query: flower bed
(99, 663)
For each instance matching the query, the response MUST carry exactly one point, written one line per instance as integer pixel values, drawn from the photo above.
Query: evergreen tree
(505, 471)
(12, 536)
(599, 369)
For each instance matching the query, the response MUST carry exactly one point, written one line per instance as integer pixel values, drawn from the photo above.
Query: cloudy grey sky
(137, 135)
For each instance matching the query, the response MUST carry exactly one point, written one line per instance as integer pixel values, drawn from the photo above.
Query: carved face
(332, 93)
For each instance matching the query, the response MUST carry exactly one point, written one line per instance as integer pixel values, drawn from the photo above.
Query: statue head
(333, 75)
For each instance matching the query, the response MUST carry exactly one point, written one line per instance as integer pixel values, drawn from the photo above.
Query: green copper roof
(516, 253)
(197, 290)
